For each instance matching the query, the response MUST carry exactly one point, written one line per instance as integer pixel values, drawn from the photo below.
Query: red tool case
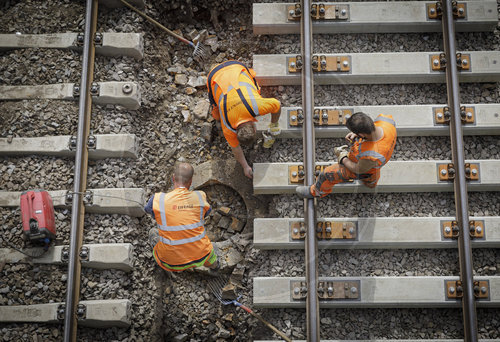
(37, 211)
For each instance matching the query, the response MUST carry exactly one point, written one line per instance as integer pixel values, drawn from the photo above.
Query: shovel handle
(269, 325)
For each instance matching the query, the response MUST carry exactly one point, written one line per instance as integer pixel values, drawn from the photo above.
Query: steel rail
(80, 176)
(311, 244)
(460, 186)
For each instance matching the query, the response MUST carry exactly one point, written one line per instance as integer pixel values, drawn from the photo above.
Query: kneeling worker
(373, 146)
(235, 98)
(180, 242)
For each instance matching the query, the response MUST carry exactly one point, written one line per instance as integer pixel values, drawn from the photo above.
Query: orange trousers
(335, 174)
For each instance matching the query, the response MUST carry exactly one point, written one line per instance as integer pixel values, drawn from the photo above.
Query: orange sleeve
(232, 138)
(215, 113)
(268, 105)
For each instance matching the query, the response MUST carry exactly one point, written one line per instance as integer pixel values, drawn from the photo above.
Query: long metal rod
(311, 245)
(80, 177)
(460, 185)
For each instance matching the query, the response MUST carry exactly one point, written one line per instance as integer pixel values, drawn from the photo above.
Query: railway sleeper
(411, 120)
(125, 94)
(374, 232)
(396, 176)
(91, 313)
(99, 256)
(107, 44)
(124, 201)
(374, 292)
(376, 68)
(99, 146)
(372, 17)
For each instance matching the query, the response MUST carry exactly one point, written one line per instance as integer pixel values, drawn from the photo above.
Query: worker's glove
(268, 140)
(274, 129)
(341, 152)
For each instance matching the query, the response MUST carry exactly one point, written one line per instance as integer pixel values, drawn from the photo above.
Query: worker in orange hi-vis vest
(373, 144)
(179, 242)
(236, 102)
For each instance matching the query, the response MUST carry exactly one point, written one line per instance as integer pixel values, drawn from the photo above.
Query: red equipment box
(37, 213)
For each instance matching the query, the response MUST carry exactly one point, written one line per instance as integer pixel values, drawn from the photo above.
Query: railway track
(396, 246)
(324, 290)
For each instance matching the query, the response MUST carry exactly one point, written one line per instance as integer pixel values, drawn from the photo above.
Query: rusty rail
(311, 244)
(460, 185)
(80, 177)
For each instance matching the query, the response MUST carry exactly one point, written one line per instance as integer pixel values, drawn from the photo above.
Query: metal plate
(296, 174)
(320, 12)
(328, 290)
(434, 11)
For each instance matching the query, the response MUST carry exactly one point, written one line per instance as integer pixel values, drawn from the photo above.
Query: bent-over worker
(235, 98)
(180, 241)
(373, 146)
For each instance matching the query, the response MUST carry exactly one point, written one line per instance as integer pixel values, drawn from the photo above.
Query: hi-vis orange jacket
(235, 95)
(380, 150)
(180, 217)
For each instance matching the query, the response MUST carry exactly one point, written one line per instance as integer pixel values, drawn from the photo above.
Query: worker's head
(246, 133)
(360, 124)
(183, 175)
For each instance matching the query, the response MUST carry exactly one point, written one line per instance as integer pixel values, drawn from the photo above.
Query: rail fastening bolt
(294, 174)
(293, 118)
(464, 62)
(435, 62)
(432, 11)
(296, 290)
(474, 172)
(343, 12)
(351, 230)
(293, 65)
(440, 115)
(291, 13)
(295, 231)
(461, 11)
(127, 88)
(345, 64)
(479, 229)
(447, 230)
(469, 115)
(443, 172)
(451, 290)
(354, 289)
(483, 290)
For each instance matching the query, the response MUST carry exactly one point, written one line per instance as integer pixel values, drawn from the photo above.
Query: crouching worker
(373, 146)
(180, 241)
(236, 102)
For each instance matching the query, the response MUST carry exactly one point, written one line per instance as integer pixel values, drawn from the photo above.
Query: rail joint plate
(447, 172)
(328, 290)
(443, 115)
(454, 289)
(438, 62)
(435, 11)
(321, 64)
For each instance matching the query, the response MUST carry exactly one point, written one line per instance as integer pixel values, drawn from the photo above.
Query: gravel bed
(168, 128)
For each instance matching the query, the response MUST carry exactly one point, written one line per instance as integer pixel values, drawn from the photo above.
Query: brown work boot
(304, 191)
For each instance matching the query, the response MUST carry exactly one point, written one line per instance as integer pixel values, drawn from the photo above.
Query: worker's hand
(351, 137)
(341, 152)
(268, 140)
(248, 172)
(274, 128)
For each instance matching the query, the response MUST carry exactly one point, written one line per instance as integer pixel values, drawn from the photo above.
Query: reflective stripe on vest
(164, 227)
(374, 154)
(383, 118)
(214, 71)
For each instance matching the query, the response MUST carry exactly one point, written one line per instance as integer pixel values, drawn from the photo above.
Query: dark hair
(360, 123)
(246, 133)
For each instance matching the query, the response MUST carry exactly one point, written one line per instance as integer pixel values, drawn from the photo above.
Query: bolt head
(293, 118)
(435, 62)
(484, 290)
(294, 174)
(293, 65)
(444, 172)
(461, 10)
(343, 11)
(351, 230)
(296, 290)
(291, 13)
(479, 229)
(464, 62)
(345, 63)
(295, 231)
(432, 11)
(440, 115)
(447, 230)
(451, 289)
(354, 289)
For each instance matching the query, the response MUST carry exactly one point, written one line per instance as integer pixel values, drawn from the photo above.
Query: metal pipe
(460, 185)
(311, 245)
(80, 176)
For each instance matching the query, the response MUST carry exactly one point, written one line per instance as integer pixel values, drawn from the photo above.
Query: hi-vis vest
(235, 95)
(380, 150)
(180, 217)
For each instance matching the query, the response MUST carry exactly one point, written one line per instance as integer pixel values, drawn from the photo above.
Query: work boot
(304, 191)
(153, 236)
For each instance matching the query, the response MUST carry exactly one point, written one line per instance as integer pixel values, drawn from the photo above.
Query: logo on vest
(182, 207)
